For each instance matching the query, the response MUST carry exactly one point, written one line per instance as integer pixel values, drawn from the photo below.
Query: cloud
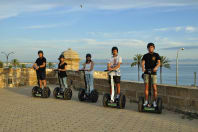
(193, 39)
(188, 29)
(190, 47)
(12, 8)
(41, 26)
(127, 4)
(26, 48)
(5, 16)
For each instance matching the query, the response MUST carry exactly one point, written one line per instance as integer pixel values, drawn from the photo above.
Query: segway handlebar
(110, 71)
(148, 71)
(82, 70)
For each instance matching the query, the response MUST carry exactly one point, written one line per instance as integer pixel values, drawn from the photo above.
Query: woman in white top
(88, 66)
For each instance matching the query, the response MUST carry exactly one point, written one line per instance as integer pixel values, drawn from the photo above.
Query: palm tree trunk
(138, 72)
(160, 74)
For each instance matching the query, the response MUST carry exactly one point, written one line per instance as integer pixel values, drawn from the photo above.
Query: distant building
(72, 59)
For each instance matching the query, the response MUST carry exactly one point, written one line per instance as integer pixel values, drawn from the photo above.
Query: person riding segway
(114, 100)
(40, 67)
(89, 93)
(62, 91)
(150, 65)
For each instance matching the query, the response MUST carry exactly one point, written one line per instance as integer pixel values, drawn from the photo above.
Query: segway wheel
(140, 104)
(34, 91)
(122, 101)
(94, 96)
(46, 92)
(67, 94)
(55, 92)
(105, 100)
(49, 91)
(81, 95)
(159, 105)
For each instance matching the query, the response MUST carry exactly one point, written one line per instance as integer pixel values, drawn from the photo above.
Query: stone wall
(174, 97)
(16, 77)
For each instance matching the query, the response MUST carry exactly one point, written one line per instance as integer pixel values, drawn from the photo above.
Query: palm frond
(136, 60)
(164, 62)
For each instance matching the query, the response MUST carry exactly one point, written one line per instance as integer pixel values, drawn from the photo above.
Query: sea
(185, 74)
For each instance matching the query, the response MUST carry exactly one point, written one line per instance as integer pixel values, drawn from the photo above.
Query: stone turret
(72, 59)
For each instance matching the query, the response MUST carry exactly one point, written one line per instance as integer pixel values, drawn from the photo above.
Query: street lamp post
(177, 58)
(7, 56)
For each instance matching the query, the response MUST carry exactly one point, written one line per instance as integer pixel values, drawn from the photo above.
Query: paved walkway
(22, 113)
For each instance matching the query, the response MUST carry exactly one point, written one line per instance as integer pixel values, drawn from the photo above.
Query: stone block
(177, 103)
(177, 92)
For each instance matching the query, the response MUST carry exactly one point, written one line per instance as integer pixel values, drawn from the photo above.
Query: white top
(114, 62)
(88, 67)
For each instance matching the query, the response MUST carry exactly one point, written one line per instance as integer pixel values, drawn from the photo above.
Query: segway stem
(58, 77)
(112, 83)
(85, 80)
(150, 85)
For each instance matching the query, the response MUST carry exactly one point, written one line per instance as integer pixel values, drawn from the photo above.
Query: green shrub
(1, 64)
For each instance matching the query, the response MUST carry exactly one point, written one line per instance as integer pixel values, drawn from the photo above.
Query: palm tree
(15, 63)
(137, 62)
(23, 66)
(1, 64)
(164, 63)
(50, 65)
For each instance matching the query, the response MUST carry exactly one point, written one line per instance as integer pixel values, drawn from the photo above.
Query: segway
(59, 94)
(39, 92)
(91, 96)
(149, 107)
(118, 102)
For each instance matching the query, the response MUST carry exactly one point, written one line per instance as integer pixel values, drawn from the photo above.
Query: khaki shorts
(153, 77)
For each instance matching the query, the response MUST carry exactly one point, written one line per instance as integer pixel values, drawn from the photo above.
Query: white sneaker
(145, 103)
(154, 104)
(111, 101)
(117, 96)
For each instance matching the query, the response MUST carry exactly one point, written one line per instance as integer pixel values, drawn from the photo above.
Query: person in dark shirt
(40, 67)
(150, 61)
(62, 67)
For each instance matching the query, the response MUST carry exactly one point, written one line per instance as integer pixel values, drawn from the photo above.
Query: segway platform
(89, 97)
(150, 107)
(38, 92)
(118, 102)
(66, 94)
(58, 94)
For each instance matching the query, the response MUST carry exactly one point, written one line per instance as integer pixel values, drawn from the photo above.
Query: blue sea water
(186, 73)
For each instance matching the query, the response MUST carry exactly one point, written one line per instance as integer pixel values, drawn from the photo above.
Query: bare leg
(118, 88)
(44, 83)
(146, 91)
(40, 83)
(155, 91)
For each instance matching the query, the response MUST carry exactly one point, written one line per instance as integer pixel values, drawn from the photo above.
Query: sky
(53, 26)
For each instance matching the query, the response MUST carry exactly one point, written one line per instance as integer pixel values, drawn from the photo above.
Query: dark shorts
(41, 75)
(115, 78)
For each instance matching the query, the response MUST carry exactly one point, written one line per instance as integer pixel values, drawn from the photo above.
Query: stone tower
(72, 59)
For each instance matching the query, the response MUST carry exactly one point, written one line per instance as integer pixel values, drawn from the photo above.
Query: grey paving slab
(20, 112)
